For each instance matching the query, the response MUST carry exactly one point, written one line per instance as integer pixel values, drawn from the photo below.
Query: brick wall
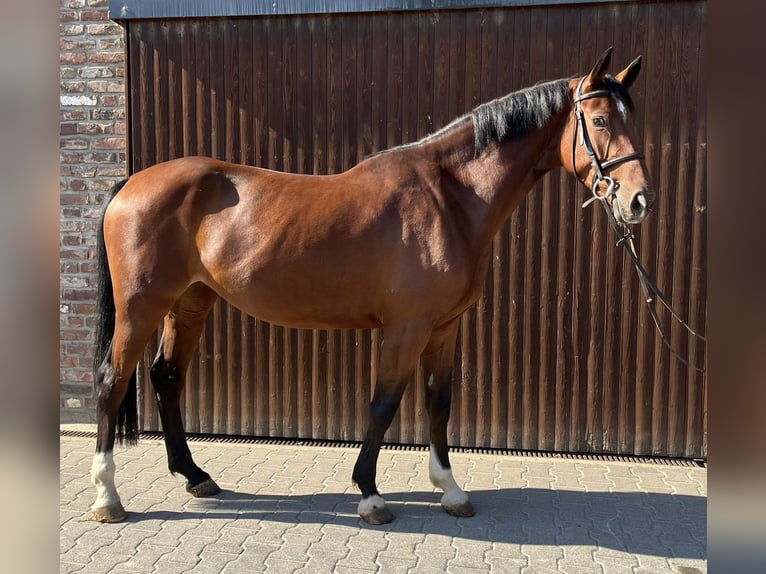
(92, 157)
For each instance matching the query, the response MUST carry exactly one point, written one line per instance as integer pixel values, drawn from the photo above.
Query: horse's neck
(491, 186)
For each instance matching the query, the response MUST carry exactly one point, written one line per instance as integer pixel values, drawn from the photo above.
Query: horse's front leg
(398, 356)
(438, 361)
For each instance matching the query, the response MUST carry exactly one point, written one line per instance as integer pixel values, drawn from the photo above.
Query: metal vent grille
(410, 447)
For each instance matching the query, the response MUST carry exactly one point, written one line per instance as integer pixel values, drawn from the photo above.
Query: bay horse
(401, 242)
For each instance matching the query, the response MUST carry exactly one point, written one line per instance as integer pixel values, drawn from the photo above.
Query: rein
(625, 237)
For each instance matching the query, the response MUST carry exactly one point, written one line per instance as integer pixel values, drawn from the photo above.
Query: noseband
(599, 166)
(650, 290)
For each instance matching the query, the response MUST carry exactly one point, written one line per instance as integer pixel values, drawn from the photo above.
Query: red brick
(83, 170)
(98, 157)
(72, 335)
(77, 87)
(72, 58)
(72, 225)
(71, 44)
(111, 171)
(105, 28)
(110, 43)
(100, 86)
(71, 241)
(68, 129)
(106, 57)
(82, 376)
(73, 199)
(74, 254)
(100, 184)
(77, 185)
(71, 29)
(83, 308)
(75, 321)
(93, 128)
(68, 15)
(73, 115)
(108, 100)
(68, 362)
(94, 15)
(108, 143)
(71, 212)
(79, 295)
(73, 143)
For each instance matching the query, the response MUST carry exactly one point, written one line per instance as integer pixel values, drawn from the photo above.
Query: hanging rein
(625, 237)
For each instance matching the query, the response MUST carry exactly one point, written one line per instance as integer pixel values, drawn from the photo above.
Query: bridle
(650, 290)
(599, 166)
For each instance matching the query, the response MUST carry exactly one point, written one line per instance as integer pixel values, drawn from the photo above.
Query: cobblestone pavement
(291, 509)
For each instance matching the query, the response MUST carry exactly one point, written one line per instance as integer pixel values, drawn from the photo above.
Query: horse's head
(598, 143)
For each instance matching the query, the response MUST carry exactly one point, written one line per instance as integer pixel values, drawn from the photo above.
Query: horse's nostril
(638, 204)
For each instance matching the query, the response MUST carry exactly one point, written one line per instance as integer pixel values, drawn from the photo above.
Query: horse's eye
(599, 122)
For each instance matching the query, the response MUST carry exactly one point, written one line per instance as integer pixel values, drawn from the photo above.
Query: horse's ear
(629, 74)
(598, 71)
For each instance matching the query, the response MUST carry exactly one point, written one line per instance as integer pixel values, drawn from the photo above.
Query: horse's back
(346, 250)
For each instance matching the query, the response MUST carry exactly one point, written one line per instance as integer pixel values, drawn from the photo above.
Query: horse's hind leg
(115, 375)
(183, 325)
(399, 353)
(438, 360)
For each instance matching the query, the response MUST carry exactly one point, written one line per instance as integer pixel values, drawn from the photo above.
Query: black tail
(127, 416)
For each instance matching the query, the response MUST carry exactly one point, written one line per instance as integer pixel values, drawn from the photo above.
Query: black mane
(519, 113)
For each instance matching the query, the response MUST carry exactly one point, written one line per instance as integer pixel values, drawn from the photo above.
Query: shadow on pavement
(640, 523)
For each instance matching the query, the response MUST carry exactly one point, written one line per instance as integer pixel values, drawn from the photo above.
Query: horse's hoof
(378, 516)
(112, 513)
(205, 488)
(373, 510)
(464, 509)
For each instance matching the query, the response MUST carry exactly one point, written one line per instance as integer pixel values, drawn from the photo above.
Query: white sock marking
(102, 476)
(442, 478)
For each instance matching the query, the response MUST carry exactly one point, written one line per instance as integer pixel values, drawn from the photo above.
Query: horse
(400, 242)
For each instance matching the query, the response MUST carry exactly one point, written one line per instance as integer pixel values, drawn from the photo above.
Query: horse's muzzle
(637, 209)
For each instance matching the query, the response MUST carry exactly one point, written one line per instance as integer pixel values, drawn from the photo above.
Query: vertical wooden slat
(517, 249)
(569, 206)
(550, 213)
(626, 377)
(532, 269)
(159, 50)
(688, 67)
(696, 399)
(666, 200)
(612, 292)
